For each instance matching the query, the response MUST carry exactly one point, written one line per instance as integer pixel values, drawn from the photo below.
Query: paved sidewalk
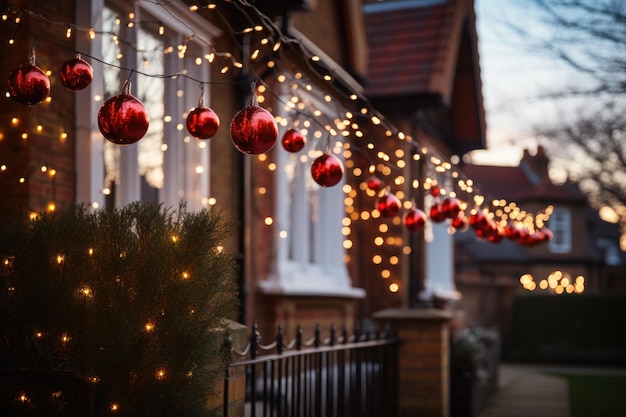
(528, 392)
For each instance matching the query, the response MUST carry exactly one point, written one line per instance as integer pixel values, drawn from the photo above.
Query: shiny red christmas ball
(478, 220)
(459, 222)
(76, 74)
(414, 219)
(451, 207)
(327, 170)
(202, 122)
(123, 119)
(436, 213)
(547, 234)
(496, 235)
(435, 190)
(388, 205)
(511, 232)
(28, 84)
(253, 130)
(374, 183)
(293, 140)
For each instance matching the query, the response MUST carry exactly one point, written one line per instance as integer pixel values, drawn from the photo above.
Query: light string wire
(436, 162)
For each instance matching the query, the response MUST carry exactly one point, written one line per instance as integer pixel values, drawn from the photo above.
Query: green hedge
(575, 329)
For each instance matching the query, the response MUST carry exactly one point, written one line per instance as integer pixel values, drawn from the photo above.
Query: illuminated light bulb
(385, 273)
(347, 244)
(114, 407)
(65, 338)
(86, 291)
(269, 220)
(68, 32)
(393, 287)
(38, 334)
(149, 327)
(23, 398)
(185, 275)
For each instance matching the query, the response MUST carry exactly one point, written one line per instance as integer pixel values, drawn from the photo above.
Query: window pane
(150, 92)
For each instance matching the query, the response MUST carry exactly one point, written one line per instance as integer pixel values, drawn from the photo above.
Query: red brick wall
(24, 149)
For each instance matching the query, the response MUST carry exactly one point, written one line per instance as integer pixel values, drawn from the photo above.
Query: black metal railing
(340, 375)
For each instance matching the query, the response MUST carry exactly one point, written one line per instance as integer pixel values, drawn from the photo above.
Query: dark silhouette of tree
(589, 143)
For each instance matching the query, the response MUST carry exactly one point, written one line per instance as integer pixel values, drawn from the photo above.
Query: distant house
(584, 249)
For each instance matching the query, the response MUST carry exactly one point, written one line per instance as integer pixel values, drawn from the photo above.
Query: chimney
(536, 166)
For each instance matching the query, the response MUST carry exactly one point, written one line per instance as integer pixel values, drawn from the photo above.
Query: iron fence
(336, 376)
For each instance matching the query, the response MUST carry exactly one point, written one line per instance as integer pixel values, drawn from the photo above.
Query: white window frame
(326, 274)
(181, 181)
(560, 223)
(439, 260)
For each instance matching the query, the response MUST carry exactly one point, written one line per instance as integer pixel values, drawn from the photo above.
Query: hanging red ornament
(76, 74)
(253, 130)
(414, 219)
(374, 183)
(123, 119)
(388, 205)
(327, 170)
(293, 140)
(202, 122)
(451, 207)
(478, 220)
(547, 234)
(511, 232)
(497, 234)
(459, 222)
(436, 212)
(435, 190)
(28, 84)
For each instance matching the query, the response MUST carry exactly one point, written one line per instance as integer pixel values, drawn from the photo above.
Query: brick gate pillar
(423, 360)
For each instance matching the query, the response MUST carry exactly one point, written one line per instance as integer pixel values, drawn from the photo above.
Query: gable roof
(514, 183)
(428, 49)
(414, 45)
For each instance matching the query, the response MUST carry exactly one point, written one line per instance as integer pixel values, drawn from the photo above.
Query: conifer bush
(113, 312)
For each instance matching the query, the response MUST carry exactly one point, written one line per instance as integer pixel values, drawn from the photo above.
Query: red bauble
(478, 220)
(388, 205)
(374, 183)
(459, 222)
(414, 219)
(435, 190)
(497, 234)
(436, 213)
(28, 84)
(512, 232)
(327, 170)
(547, 234)
(451, 207)
(202, 122)
(253, 130)
(76, 74)
(293, 140)
(123, 119)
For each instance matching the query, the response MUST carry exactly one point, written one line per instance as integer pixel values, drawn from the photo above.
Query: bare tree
(590, 144)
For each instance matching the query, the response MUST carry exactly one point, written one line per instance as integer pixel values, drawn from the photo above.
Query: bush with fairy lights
(113, 313)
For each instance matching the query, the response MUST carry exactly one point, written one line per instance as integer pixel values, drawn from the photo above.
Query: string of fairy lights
(319, 106)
